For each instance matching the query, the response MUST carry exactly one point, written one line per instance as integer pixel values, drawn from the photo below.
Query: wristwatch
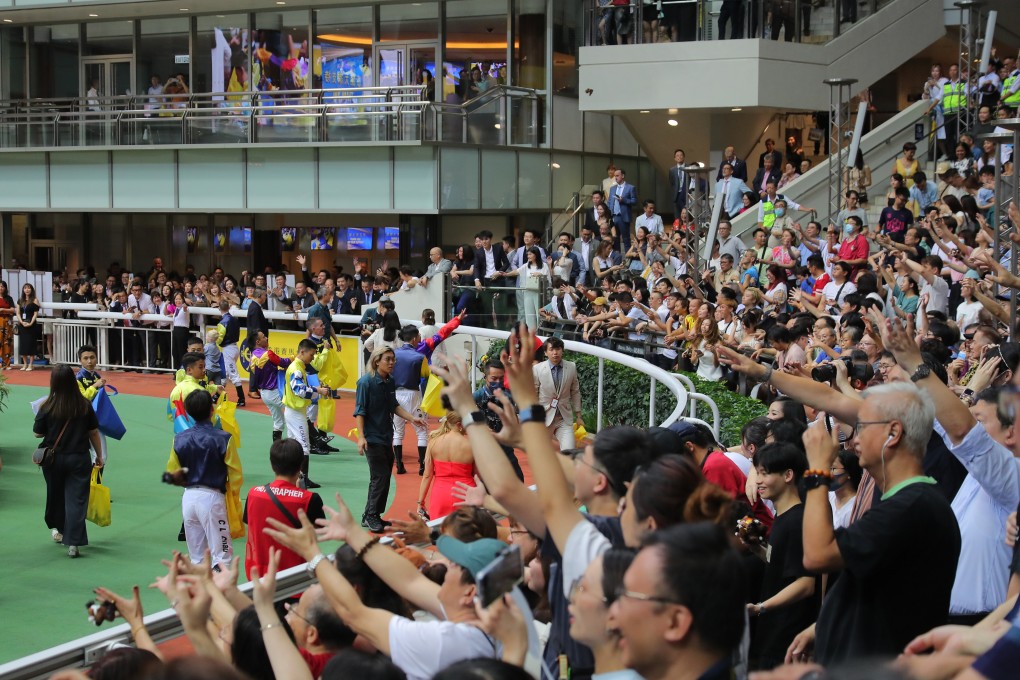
(473, 418)
(810, 482)
(922, 372)
(533, 414)
(313, 563)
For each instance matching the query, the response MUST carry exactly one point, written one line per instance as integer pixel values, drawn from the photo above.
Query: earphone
(889, 440)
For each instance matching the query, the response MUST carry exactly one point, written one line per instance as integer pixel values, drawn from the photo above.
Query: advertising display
(359, 238)
(389, 238)
(288, 239)
(322, 238)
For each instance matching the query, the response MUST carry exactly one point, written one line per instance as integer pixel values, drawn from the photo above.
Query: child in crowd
(986, 194)
(213, 356)
(789, 595)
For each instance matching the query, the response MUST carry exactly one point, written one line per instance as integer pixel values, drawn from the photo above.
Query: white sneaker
(57, 536)
(72, 551)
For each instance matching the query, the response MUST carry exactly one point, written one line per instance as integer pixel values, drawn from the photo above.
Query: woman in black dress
(28, 318)
(69, 475)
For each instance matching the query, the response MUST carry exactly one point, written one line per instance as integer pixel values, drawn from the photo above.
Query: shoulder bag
(294, 521)
(44, 455)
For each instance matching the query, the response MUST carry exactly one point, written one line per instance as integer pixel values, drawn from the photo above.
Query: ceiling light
(280, 2)
(672, 122)
(673, 112)
(736, 109)
(498, 126)
(8, 21)
(645, 111)
(184, 9)
(93, 15)
(556, 166)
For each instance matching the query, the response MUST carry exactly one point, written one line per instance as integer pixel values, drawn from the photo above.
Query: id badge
(553, 404)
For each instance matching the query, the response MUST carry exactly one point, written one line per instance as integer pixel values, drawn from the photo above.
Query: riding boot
(240, 395)
(421, 460)
(398, 458)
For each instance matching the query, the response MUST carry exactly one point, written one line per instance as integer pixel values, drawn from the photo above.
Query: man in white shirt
(419, 648)
(648, 219)
(929, 273)
(139, 303)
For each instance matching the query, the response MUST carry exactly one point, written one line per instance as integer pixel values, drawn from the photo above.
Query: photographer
(495, 372)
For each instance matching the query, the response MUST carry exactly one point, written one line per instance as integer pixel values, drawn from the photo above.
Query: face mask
(493, 386)
(780, 212)
(848, 229)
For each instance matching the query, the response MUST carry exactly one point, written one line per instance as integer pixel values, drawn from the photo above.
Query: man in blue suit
(621, 197)
(732, 190)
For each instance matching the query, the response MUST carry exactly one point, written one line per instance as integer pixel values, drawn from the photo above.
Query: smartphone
(500, 576)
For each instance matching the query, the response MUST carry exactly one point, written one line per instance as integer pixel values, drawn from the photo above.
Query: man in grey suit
(732, 190)
(585, 248)
(559, 392)
(739, 166)
(437, 265)
(680, 182)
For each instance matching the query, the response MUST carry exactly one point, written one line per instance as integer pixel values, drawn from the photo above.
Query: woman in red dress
(7, 311)
(448, 460)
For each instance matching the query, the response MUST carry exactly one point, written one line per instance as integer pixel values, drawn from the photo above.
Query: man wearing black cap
(420, 648)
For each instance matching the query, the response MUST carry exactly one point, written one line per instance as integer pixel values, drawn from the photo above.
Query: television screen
(288, 239)
(191, 233)
(359, 238)
(322, 238)
(389, 238)
(240, 239)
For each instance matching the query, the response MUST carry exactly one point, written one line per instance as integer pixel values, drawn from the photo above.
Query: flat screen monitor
(389, 238)
(322, 238)
(359, 238)
(288, 239)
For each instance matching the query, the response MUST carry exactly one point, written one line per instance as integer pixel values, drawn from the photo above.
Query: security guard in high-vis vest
(1011, 90)
(954, 97)
(297, 397)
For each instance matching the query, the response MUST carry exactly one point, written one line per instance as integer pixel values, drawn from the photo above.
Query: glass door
(400, 65)
(102, 78)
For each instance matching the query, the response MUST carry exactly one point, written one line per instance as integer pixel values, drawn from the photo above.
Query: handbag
(98, 511)
(43, 456)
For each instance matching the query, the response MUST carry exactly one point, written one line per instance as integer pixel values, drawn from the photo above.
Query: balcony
(501, 116)
(709, 73)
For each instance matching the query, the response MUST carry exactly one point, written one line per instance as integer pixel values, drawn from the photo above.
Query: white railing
(164, 625)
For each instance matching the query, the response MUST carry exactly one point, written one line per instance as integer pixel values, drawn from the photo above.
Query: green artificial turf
(45, 591)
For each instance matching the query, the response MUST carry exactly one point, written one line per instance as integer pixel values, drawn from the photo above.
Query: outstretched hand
(521, 350)
(456, 387)
(299, 539)
(467, 495)
(337, 524)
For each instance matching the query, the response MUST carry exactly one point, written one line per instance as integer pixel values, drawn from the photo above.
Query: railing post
(651, 404)
(598, 407)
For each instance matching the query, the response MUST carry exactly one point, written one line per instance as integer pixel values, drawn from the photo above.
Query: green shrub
(626, 395)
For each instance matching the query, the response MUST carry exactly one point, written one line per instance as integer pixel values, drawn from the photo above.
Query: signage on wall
(182, 58)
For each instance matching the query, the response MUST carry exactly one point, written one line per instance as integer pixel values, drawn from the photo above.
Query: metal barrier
(502, 115)
(164, 625)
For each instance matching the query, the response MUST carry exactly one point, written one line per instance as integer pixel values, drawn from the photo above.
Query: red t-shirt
(258, 506)
(316, 662)
(854, 249)
(820, 283)
(724, 473)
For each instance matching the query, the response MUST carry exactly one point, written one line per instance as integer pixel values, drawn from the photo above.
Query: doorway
(102, 78)
(403, 64)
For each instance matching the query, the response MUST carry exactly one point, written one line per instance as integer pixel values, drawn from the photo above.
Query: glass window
(280, 55)
(55, 61)
(529, 52)
(566, 42)
(342, 52)
(109, 37)
(162, 52)
(475, 58)
(417, 21)
(222, 50)
(14, 86)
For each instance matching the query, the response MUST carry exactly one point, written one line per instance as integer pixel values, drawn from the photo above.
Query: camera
(855, 371)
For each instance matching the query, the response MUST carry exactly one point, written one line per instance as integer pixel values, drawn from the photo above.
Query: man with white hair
(911, 536)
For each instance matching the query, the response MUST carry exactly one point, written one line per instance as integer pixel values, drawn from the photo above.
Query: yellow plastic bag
(580, 433)
(235, 515)
(327, 414)
(228, 420)
(99, 510)
(432, 403)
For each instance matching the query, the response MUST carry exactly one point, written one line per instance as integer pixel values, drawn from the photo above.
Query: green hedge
(626, 395)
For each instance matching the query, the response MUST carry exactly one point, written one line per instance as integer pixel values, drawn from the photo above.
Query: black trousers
(380, 465)
(67, 495)
(178, 344)
(731, 11)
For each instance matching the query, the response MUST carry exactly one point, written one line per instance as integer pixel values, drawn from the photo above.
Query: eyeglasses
(622, 592)
(837, 472)
(861, 424)
(576, 588)
(292, 609)
(578, 457)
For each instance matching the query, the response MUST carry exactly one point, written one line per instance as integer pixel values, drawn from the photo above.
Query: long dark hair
(391, 327)
(469, 257)
(65, 401)
(533, 250)
(31, 296)
(248, 652)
